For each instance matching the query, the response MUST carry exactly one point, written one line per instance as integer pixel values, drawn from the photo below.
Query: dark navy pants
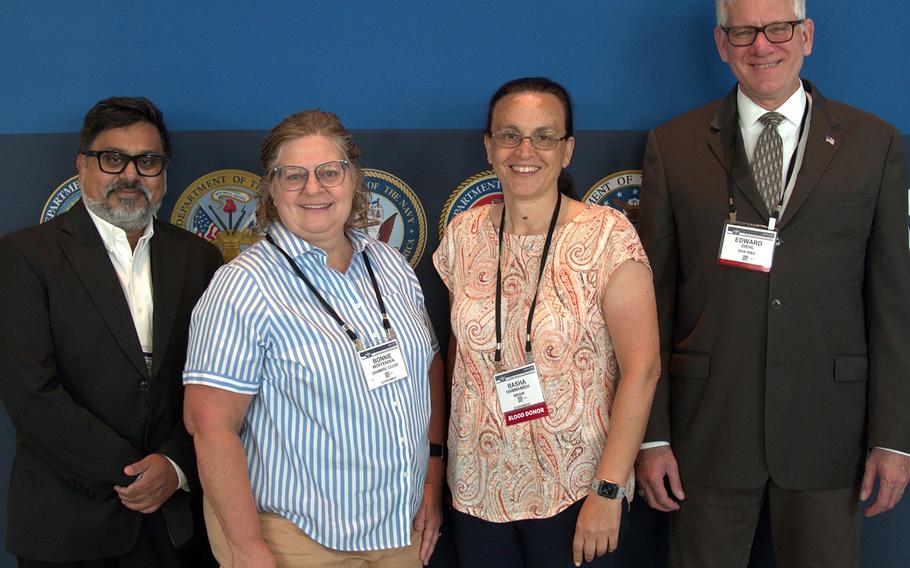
(535, 543)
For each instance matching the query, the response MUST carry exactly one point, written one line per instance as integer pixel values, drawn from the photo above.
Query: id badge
(747, 246)
(520, 397)
(383, 364)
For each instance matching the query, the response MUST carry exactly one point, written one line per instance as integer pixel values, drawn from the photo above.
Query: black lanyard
(775, 214)
(386, 324)
(497, 359)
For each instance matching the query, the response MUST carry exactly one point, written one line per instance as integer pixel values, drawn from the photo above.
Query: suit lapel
(823, 139)
(84, 250)
(168, 269)
(726, 142)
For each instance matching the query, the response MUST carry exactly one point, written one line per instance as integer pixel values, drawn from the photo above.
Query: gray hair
(799, 8)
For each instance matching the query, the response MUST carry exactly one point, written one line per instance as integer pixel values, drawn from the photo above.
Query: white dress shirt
(134, 270)
(793, 110)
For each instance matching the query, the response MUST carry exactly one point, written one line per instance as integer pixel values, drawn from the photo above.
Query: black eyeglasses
(777, 32)
(113, 162)
(294, 178)
(539, 140)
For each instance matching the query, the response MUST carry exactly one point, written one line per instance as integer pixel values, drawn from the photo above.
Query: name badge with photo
(520, 396)
(747, 246)
(383, 364)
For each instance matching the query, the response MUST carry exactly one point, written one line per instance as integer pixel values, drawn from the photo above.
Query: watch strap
(608, 489)
(437, 450)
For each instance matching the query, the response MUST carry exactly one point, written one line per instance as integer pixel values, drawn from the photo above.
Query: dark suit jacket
(77, 389)
(795, 373)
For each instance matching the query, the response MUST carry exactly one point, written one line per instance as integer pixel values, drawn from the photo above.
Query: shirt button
(144, 385)
(775, 304)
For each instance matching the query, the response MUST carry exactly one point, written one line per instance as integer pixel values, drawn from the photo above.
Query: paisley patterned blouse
(538, 468)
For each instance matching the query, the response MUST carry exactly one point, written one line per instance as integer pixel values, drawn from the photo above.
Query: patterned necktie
(767, 162)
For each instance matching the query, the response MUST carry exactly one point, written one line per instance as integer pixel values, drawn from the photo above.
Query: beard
(130, 214)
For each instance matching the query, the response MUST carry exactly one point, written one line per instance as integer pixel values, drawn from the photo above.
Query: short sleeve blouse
(538, 468)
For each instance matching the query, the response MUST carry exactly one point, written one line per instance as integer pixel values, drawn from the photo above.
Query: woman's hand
(597, 528)
(428, 520)
(255, 554)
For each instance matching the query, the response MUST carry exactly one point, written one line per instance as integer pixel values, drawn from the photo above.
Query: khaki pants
(294, 549)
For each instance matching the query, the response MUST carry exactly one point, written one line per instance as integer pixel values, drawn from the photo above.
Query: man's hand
(893, 471)
(651, 467)
(428, 520)
(597, 528)
(156, 480)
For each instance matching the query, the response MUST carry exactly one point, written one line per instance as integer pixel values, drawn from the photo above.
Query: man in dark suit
(96, 306)
(786, 374)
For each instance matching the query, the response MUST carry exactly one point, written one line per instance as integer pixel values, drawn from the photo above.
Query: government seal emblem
(620, 190)
(397, 214)
(479, 189)
(61, 199)
(220, 207)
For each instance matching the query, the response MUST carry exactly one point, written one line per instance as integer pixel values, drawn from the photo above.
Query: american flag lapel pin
(829, 140)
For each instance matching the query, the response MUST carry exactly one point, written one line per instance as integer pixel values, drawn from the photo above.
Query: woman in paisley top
(551, 300)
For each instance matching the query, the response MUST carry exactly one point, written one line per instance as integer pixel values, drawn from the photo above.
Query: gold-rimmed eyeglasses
(294, 178)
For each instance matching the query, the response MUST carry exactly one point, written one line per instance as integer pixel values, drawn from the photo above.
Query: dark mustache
(128, 185)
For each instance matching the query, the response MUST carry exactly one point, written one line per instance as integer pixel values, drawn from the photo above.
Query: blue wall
(237, 65)
(233, 66)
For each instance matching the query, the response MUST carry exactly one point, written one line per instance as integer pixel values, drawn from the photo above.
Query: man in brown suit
(786, 377)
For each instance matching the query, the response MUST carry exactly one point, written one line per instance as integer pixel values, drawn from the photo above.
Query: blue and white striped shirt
(342, 462)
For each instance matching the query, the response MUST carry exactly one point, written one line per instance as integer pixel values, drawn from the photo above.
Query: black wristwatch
(608, 489)
(438, 451)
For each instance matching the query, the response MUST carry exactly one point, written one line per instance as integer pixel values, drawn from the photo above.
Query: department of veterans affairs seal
(620, 190)
(397, 213)
(61, 199)
(220, 207)
(479, 189)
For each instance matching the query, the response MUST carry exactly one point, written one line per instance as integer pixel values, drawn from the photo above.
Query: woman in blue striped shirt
(314, 384)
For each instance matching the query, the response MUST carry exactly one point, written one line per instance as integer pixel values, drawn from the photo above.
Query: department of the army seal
(220, 207)
(479, 189)
(61, 199)
(397, 213)
(619, 190)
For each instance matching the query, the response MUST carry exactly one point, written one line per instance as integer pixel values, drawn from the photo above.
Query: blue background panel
(413, 79)
(630, 64)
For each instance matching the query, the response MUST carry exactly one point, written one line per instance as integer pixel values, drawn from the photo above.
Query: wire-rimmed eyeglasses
(294, 178)
(539, 140)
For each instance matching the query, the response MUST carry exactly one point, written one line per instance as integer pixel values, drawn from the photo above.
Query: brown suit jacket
(77, 389)
(795, 373)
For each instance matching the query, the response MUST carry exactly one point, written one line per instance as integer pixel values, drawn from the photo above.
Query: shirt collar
(792, 109)
(113, 235)
(296, 246)
(359, 240)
